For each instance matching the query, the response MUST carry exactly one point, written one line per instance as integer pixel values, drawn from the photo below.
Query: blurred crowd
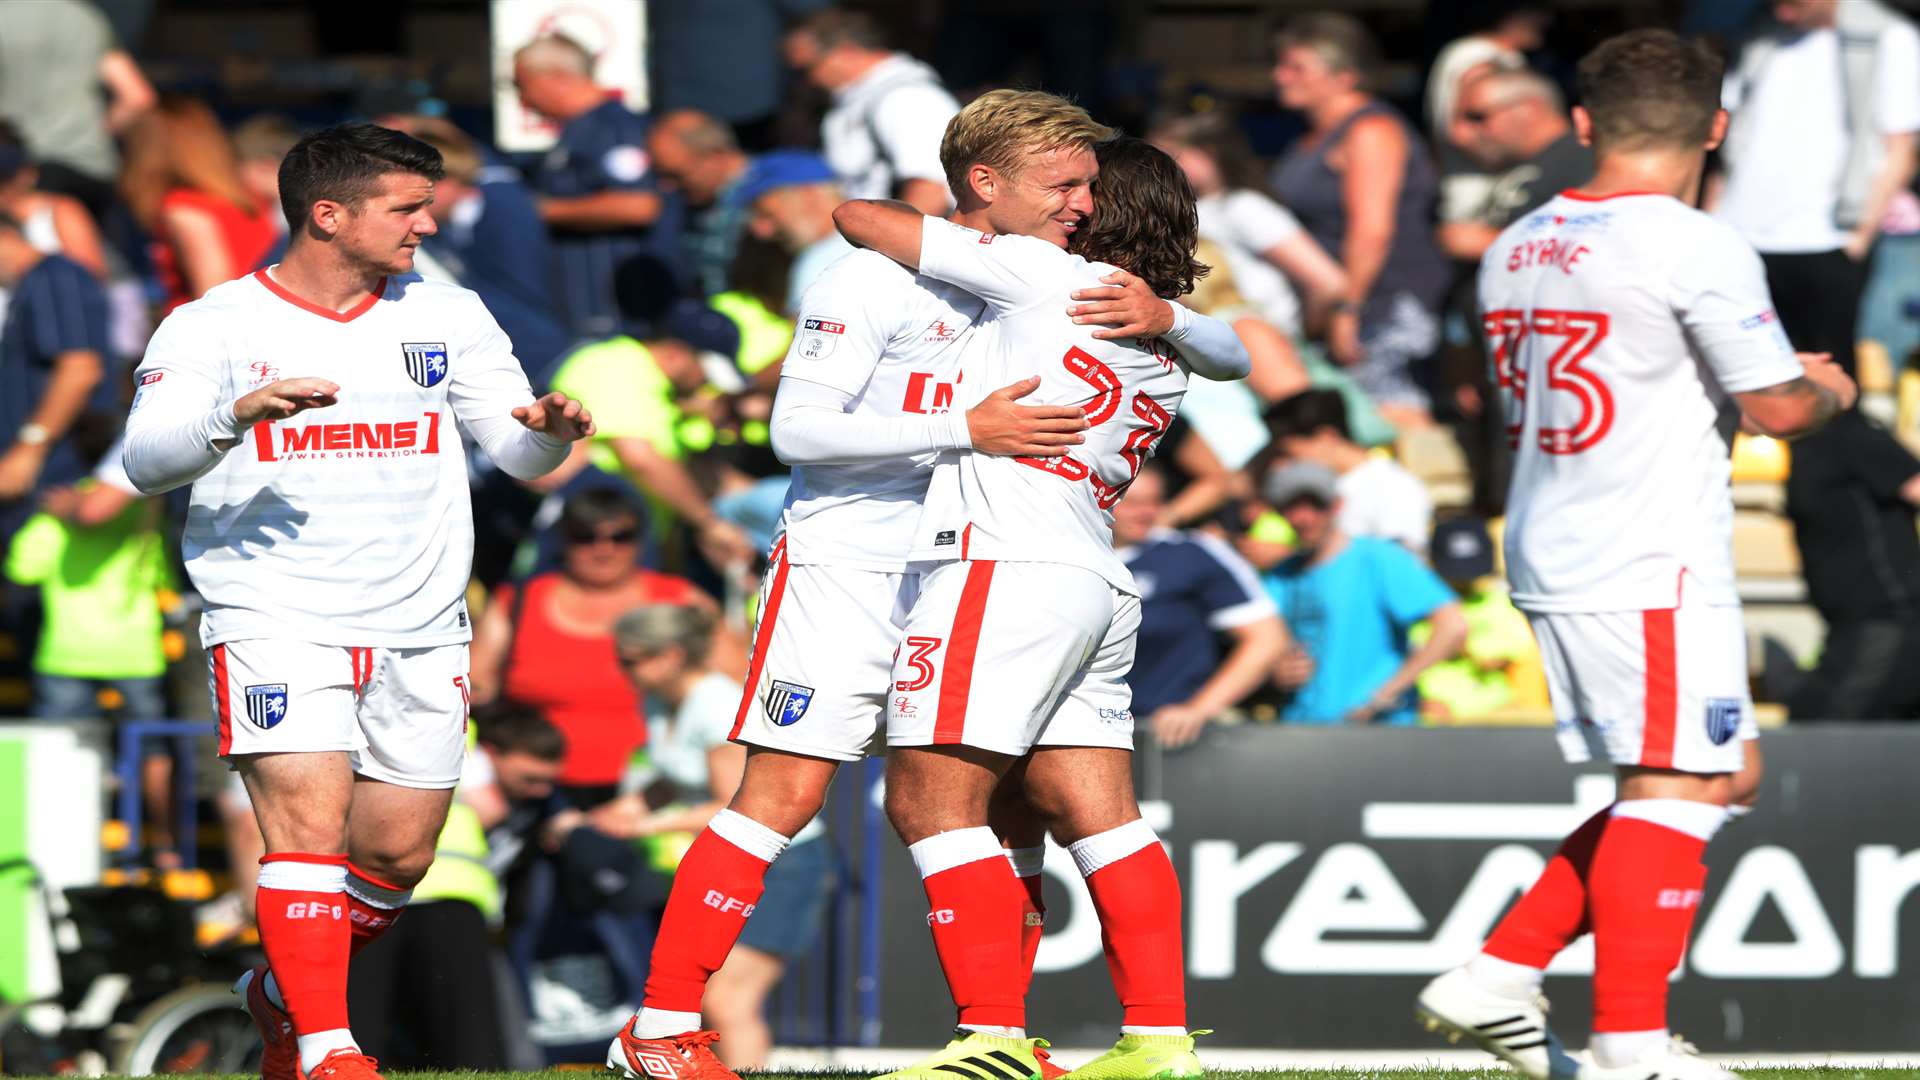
(1316, 545)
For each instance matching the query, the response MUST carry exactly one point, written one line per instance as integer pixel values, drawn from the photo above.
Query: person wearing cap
(1498, 670)
(1378, 496)
(790, 196)
(644, 373)
(690, 771)
(1351, 603)
(697, 153)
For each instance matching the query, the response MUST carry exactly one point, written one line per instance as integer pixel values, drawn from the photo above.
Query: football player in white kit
(871, 390)
(1630, 333)
(316, 408)
(1023, 633)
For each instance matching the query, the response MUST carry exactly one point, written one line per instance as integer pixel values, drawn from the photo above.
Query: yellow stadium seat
(1763, 546)
(1432, 455)
(1875, 367)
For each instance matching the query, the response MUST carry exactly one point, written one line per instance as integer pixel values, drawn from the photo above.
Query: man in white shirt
(317, 407)
(1378, 496)
(871, 390)
(882, 134)
(1630, 332)
(1826, 121)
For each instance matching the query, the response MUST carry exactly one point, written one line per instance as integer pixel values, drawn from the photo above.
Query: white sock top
(1104, 849)
(956, 847)
(1027, 861)
(748, 835)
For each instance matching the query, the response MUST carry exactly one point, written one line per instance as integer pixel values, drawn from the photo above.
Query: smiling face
(1048, 195)
(382, 231)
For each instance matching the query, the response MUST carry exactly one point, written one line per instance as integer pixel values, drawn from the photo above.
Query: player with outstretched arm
(316, 408)
(1630, 333)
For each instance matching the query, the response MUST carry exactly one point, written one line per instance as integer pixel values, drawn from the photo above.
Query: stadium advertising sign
(1329, 873)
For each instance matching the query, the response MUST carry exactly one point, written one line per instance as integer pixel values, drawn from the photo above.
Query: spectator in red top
(185, 189)
(548, 641)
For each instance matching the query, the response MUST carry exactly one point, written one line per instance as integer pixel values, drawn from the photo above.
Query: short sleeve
(112, 470)
(182, 365)
(66, 311)
(1719, 293)
(1410, 591)
(1228, 589)
(1896, 91)
(1010, 273)
(1259, 222)
(843, 326)
(908, 124)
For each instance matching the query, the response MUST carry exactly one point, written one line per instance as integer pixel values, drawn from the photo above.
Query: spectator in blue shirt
(491, 240)
(1195, 592)
(53, 355)
(599, 196)
(1350, 602)
(696, 154)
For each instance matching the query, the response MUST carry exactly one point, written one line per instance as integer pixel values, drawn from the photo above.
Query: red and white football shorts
(1007, 656)
(817, 684)
(1663, 689)
(400, 714)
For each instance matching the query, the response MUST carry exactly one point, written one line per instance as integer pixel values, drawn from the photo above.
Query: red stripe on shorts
(222, 700)
(764, 638)
(1663, 691)
(956, 675)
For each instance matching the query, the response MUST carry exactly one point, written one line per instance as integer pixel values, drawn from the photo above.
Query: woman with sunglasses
(689, 774)
(548, 641)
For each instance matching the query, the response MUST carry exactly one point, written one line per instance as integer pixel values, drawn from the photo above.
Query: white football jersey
(893, 340)
(1045, 509)
(1620, 327)
(346, 525)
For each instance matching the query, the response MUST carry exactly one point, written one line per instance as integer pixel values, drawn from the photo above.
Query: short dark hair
(515, 727)
(1650, 88)
(1144, 218)
(831, 27)
(1306, 412)
(344, 163)
(585, 511)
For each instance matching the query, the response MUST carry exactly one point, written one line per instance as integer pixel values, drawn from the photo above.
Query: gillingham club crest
(267, 704)
(426, 361)
(787, 702)
(1723, 719)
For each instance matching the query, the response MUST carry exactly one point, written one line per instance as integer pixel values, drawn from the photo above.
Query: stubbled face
(382, 231)
(1311, 521)
(1304, 79)
(1134, 515)
(1487, 128)
(1049, 196)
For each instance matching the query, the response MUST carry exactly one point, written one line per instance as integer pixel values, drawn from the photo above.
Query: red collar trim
(1581, 196)
(348, 315)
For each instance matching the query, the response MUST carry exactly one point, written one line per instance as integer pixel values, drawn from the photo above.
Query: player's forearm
(522, 454)
(891, 228)
(602, 210)
(161, 455)
(809, 428)
(1210, 346)
(1791, 409)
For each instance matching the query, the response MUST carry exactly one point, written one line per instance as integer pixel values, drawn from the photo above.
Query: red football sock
(301, 907)
(976, 909)
(1554, 911)
(1643, 891)
(714, 890)
(373, 906)
(1137, 897)
(1033, 927)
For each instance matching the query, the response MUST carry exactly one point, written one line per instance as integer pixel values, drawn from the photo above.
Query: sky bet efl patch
(819, 336)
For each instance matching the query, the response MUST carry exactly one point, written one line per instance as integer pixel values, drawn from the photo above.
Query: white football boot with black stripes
(1676, 1060)
(1511, 1029)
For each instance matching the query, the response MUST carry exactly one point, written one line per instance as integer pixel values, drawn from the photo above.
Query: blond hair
(1000, 127)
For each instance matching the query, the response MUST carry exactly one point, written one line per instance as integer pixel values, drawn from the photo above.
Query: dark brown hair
(1647, 88)
(1217, 135)
(1143, 219)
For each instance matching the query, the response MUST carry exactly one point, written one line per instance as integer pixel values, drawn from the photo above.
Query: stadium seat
(1906, 423)
(1765, 557)
(1876, 367)
(1432, 455)
(1760, 467)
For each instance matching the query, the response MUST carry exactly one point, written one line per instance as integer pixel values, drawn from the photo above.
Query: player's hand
(1343, 338)
(557, 416)
(20, 470)
(1295, 668)
(998, 426)
(724, 544)
(279, 400)
(1822, 371)
(1177, 725)
(1126, 305)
